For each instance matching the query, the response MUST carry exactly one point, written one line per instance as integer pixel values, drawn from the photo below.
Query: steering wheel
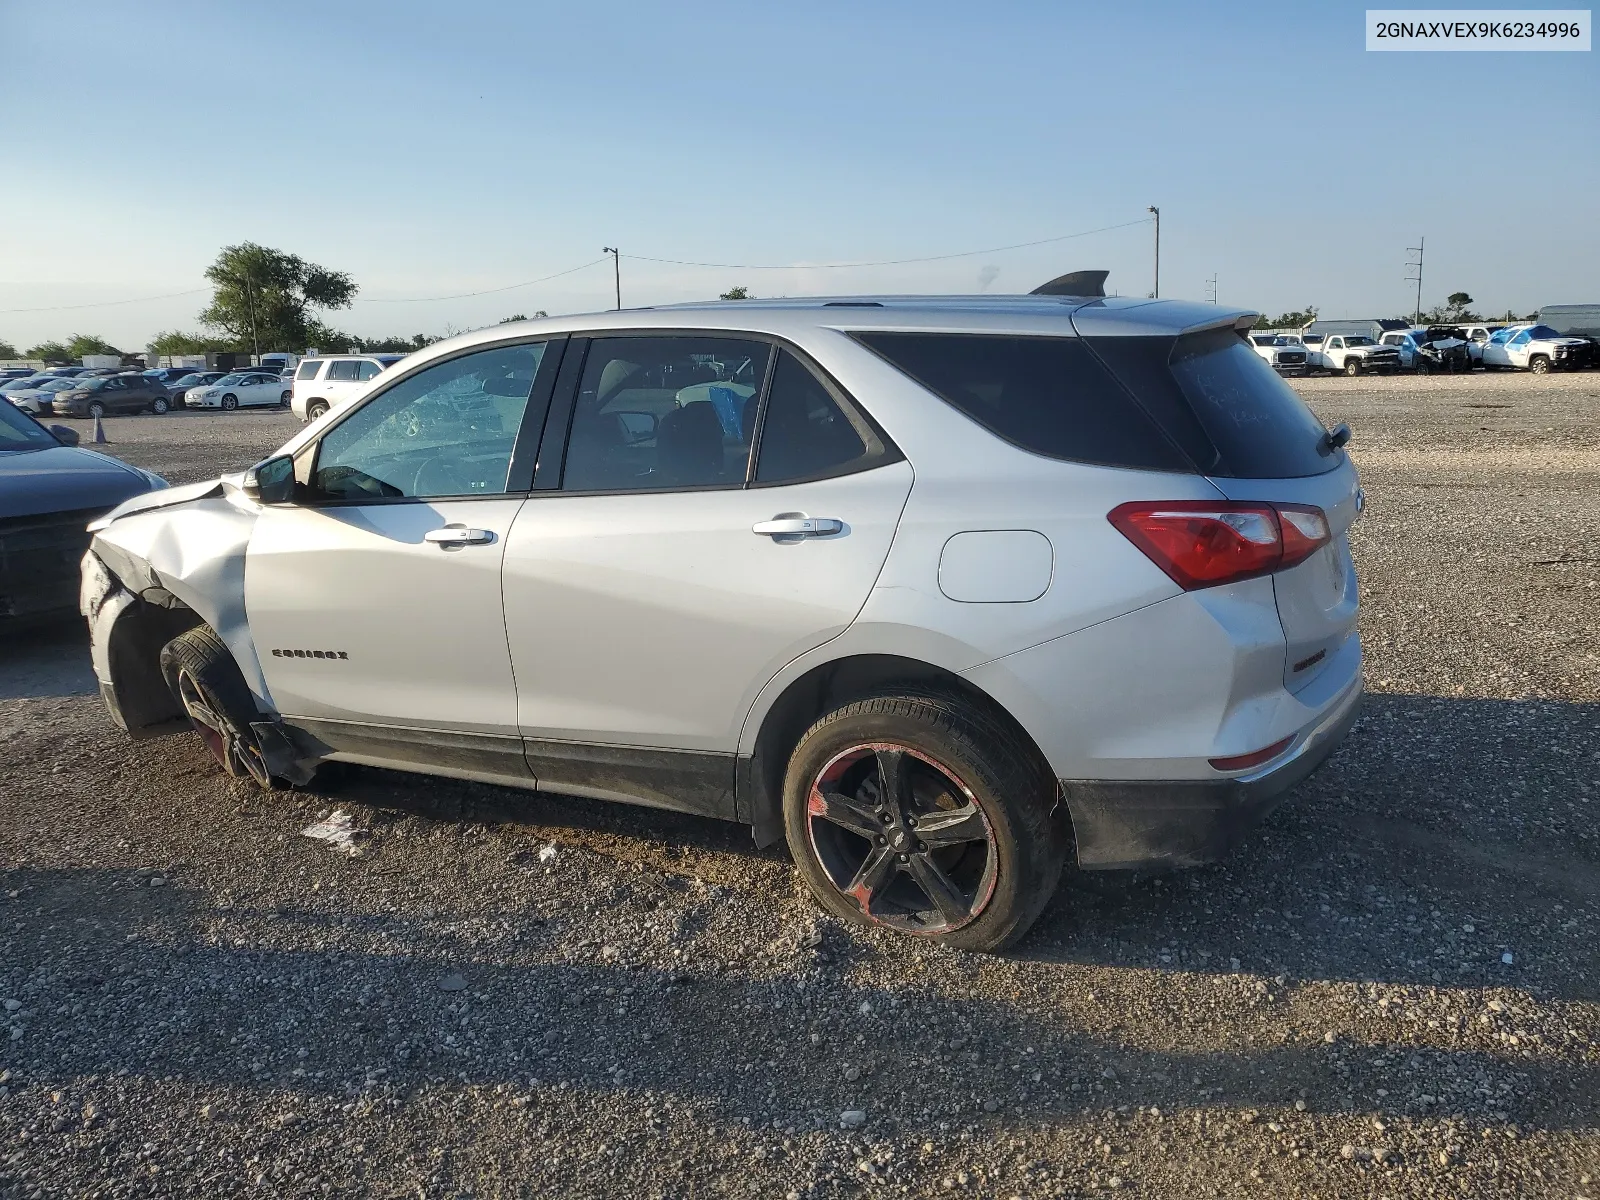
(440, 476)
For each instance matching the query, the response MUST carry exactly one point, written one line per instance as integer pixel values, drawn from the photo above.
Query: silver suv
(942, 591)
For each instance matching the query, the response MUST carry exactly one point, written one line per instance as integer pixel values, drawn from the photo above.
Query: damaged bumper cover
(1123, 824)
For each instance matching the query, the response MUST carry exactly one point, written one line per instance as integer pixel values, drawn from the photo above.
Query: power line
(107, 303)
(510, 287)
(678, 262)
(888, 262)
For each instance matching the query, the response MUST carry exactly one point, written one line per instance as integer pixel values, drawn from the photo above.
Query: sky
(435, 149)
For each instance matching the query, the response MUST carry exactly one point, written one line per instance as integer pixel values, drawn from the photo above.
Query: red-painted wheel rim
(902, 838)
(217, 732)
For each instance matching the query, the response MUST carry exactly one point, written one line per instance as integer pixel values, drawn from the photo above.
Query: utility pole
(1416, 318)
(1157, 212)
(250, 304)
(616, 267)
(1211, 288)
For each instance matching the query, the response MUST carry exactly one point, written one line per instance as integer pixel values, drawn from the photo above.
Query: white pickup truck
(1285, 353)
(1536, 348)
(1350, 354)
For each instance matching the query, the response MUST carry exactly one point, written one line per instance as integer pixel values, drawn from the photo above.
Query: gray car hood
(64, 479)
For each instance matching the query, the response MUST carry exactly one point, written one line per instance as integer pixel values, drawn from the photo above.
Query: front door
(673, 573)
(375, 602)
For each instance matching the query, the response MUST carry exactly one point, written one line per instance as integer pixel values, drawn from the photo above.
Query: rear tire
(283, 400)
(208, 684)
(972, 836)
(315, 409)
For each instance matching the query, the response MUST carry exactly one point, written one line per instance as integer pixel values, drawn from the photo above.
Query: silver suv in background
(943, 592)
(322, 384)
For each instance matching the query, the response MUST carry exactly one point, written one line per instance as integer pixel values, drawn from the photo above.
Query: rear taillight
(1200, 544)
(1243, 762)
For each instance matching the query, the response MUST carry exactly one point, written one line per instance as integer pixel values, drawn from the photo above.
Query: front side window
(664, 412)
(805, 434)
(346, 371)
(448, 430)
(309, 369)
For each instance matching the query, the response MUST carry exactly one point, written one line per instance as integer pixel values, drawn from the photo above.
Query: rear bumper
(1120, 824)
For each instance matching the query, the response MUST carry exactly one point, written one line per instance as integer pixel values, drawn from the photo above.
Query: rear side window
(369, 370)
(1046, 395)
(308, 370)
(1261, 428)
(346, 370)
(804, 433)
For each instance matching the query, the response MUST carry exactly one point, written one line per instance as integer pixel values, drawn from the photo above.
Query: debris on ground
(339, 830)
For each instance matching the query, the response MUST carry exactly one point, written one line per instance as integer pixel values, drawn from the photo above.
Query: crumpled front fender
(193, 551)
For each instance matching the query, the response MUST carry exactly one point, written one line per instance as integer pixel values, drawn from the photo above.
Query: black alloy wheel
(239, 757)
(902, 837)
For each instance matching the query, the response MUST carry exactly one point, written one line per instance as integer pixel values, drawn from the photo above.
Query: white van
(324, 383)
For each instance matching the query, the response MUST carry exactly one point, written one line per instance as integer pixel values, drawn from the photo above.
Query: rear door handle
(458, 535)
(798, 527)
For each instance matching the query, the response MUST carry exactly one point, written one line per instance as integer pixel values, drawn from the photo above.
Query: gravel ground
(1390, 990)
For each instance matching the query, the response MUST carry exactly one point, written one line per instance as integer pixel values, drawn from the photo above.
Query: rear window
(1260, 427)
(308, 370)
(1046, 395)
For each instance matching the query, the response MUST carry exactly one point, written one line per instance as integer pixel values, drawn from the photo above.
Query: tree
(173, 342)
(737, 292)
(7, 350)
(390, 345)
(263, 298)
(51, 352)
(513, 317)
(1288, 320)
(81, 344)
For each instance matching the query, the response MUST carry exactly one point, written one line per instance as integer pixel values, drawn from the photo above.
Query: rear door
(658, 579)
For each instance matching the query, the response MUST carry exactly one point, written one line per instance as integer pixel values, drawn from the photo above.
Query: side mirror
(64, 435)
(1338, 436)
(270, 481)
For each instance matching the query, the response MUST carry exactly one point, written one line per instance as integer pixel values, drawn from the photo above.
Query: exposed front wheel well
(145, 706)
(819, 691)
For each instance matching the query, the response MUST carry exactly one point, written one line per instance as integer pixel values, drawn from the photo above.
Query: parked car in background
(1444, 349)
(1477, 338)
(35, 395)
(321, 384)
(9, 373)
(727, 597)
(168, 375)
(184, 384)
(242, 389)
(66, 372)
(1280, 351)
(1536, 348)
(1576, 321)
(1353, 354)
(102, 395)
(50, 489)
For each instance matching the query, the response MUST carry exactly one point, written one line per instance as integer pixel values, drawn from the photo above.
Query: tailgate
(1317, 599)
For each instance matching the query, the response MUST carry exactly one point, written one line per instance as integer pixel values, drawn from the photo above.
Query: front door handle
(798, 527)
(458, 535)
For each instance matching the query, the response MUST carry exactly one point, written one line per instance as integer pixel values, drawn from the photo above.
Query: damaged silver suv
(943, 591)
